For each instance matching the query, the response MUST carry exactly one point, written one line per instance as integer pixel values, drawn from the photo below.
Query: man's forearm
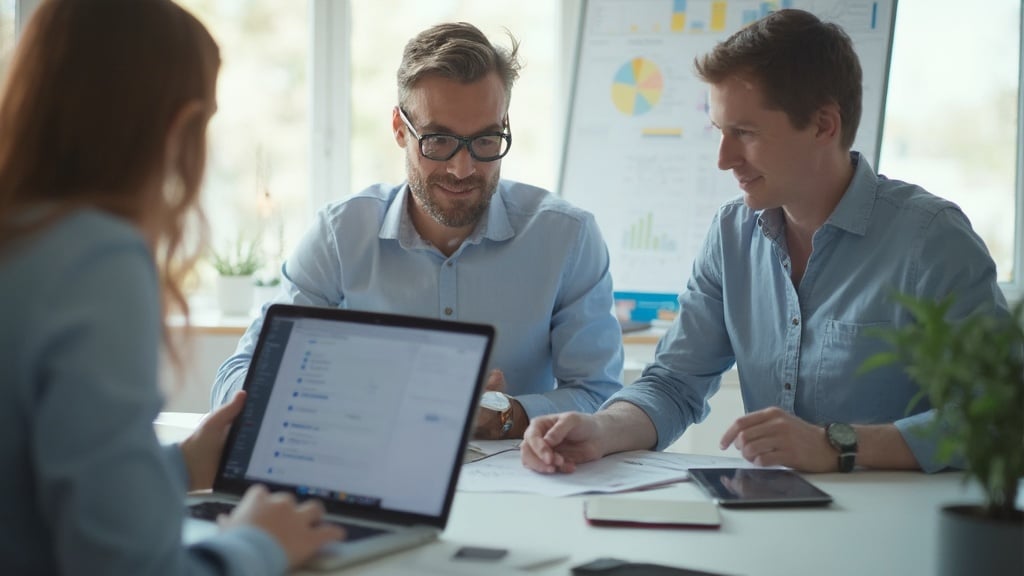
(881, 446)
(229, 380)
(624, 426)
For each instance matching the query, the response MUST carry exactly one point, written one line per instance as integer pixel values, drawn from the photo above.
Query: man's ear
(398, 127)
(829, 122)
(180, 145)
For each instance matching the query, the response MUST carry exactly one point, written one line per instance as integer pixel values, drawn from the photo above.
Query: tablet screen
(758, 487)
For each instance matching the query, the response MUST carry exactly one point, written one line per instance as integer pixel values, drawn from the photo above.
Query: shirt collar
(853, 213)
(397, 224)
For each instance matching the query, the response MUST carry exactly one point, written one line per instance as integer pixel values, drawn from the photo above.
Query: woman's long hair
(85, 111)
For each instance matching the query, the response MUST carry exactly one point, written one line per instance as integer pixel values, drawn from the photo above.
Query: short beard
(461, 213)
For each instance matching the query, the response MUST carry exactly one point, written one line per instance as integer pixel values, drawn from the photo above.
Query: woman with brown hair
(103, 121)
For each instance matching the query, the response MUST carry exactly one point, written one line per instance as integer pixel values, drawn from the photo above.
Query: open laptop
(368, 413)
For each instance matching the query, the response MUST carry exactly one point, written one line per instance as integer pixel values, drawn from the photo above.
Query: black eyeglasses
(443, 147)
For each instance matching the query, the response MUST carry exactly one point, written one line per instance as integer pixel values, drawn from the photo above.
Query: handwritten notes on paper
(504, 472)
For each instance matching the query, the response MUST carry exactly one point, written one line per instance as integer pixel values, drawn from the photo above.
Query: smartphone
(650, 513)
(616, 567)
(480, 553)
(758, 487)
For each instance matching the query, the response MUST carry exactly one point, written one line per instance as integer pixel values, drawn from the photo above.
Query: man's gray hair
(458, 51)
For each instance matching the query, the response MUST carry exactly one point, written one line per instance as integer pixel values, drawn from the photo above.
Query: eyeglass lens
(485, 147)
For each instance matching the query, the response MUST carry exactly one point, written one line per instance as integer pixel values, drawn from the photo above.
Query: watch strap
(507, 420)
(847, 459)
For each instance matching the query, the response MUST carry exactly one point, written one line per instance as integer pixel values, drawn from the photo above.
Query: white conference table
(879, 523)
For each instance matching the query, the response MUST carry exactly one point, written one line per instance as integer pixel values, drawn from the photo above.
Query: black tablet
(758, 487)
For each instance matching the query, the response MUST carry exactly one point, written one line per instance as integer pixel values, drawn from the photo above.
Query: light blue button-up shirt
(536, 268)
(799, 348)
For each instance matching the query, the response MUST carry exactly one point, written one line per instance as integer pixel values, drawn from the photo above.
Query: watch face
(842, 435)
(494, 401)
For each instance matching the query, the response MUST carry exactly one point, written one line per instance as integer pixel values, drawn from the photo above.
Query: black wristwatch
(843, 438)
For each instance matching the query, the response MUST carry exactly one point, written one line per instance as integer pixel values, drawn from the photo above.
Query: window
(7, 31)
(952, 122)
(282, 87)
(257, 172)
(260, 139)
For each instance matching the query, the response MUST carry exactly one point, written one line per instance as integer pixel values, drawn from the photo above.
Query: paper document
(504, 472)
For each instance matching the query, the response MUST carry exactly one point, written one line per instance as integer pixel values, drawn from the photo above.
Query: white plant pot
(234, 295)
(264, 294)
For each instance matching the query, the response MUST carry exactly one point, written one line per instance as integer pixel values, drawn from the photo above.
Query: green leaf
(242, 258)
(971, 370)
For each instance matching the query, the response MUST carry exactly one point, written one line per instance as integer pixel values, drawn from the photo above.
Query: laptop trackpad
(338, 554)
(195, 530)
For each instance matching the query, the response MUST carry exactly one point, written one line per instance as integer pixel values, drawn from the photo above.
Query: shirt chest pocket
(840, 393)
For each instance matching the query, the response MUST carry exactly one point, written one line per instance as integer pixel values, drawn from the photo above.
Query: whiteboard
(640, 152)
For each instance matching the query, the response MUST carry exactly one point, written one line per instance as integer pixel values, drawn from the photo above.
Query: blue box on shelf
(645, 306)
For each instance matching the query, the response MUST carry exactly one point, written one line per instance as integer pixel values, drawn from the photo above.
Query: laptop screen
(367, 411)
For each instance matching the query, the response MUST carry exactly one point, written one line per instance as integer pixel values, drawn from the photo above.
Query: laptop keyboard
(211, 510)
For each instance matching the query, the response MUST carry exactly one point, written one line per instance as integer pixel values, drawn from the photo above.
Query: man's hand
(495, 381)
(203, 448)
(558, 442)
(488, 422)
(774, 437)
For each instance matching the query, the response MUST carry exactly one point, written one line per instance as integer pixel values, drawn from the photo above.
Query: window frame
(22, 8)
(330, 102)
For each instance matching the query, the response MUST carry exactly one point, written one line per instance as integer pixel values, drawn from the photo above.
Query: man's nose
(462, 164)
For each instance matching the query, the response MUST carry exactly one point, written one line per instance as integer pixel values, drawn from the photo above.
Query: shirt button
(788, 386)
(448, 264)
(796, 321)
(447, 311)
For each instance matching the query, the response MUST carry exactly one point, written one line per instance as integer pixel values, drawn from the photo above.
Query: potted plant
(972, 372)
(235, 267)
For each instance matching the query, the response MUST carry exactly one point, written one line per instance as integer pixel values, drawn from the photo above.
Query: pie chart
(637, 87)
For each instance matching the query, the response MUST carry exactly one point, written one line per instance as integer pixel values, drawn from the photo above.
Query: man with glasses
(456, 242)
